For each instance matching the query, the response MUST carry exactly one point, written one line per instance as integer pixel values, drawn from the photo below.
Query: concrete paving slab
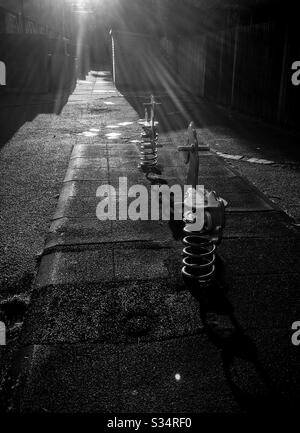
(72, 207)
(124, 162)
(277, 301)
(231, 185)
(246, 201)
(67, 313)
(80, 189)
(181, 376)
(75, 266)
(88, 207)
(71, 379)
(87, 188)
(215, 170)
(280, 361)
(260, 256)
(178, 376)
(80, 231)
(77, 231)
(208, 172)
(115, 312)
(163, 179)
(86, 163)
(80, 226)
(89, 151)
(130, 152)
(141, 230)
(138, 178)
(134, 177)
(125, 148)
(248, 296)
(258, 224)
(99, 174)
(140, 264)
(260, 301)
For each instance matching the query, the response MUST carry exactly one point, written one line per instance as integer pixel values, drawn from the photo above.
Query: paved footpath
(112, 328)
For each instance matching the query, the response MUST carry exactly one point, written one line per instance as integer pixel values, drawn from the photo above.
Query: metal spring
(148, 148)
(199, 258)
(148, 153)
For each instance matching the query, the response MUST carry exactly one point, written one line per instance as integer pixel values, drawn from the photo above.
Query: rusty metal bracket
(191, 150)
(152, 104)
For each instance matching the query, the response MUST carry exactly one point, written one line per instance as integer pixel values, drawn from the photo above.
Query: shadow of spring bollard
(201, 237)
(149, 145)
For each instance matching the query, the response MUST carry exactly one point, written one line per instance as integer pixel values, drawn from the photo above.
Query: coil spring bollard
(148, 148)
(200, 242)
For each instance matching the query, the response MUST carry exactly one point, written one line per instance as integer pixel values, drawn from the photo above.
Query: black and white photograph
(149, 212)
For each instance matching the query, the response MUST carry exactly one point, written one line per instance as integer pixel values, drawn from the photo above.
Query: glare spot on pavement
(112, 135)
(88, 134)
(125, 123)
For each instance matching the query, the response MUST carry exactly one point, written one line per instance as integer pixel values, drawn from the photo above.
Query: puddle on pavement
(113, 135)
(125, 123)
(88, 134)
(142, 122)
(112, 126)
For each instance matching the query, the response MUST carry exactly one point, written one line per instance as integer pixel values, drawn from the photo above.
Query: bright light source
(81, 7)
(177, 377)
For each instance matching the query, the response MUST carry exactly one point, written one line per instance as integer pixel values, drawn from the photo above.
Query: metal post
(23, 15)
(236, 35)
(283, 79)
(148, 147)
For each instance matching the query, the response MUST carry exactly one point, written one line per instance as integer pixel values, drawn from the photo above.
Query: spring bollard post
(200, 245)
(149, 145)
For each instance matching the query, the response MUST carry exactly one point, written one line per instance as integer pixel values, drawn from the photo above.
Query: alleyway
(111, 327)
